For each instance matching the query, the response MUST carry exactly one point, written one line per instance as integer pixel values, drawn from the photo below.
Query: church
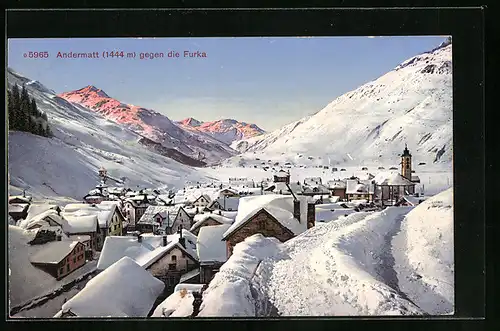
(390, 187)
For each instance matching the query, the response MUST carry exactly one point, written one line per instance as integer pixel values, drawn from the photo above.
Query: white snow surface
(408, 104)
(124, 289)
(67, 164)
(210, 245)
(117, 247)
(229, 293)
(350, 267)
(426, 270)
(176, 305)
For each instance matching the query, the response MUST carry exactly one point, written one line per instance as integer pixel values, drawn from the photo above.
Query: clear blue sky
(266, 81)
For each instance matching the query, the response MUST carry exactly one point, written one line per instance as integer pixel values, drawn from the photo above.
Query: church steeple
(406, 163)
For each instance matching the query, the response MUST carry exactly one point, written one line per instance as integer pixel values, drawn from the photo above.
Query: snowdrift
(426, 271)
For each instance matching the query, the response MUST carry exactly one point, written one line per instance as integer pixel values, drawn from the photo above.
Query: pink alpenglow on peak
(225, 130)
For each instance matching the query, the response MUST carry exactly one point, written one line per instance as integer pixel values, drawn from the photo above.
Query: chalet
(357, 189)
(228, 192)
(390, 187)
(211, 251)
(173, 259)
(279, 216)
(282, 177)
(202, 201)
(208, 219)
(154, 218)
(18, 211)
(60, 258)
(20, 199)
(183, 218)
(124, 289)
(337, 188)
(82, 225)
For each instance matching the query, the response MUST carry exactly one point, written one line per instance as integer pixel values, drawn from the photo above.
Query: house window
(67, 268)
(74, 260)
(61, 271)
(174, 258)
(172, 266)
(183, 255)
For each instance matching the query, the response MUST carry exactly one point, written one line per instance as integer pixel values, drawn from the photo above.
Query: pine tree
(25, 110)
(15, 123)
(34, 109)
(40, 130)
(10, 109)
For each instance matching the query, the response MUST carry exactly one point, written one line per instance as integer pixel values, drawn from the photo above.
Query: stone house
(169, 262)
(211, 251)
(134, 208)
(279, 216)
(359, 189)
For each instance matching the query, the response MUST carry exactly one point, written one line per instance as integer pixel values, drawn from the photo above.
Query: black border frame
(466, 27)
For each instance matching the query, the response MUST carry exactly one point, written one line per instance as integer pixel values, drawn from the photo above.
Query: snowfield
(350, 267)
(66, 165)
(412, 103)
(426, 269)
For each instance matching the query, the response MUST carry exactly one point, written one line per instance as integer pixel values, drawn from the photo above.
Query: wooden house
(60, 258)
(279, 216)
(337, 188)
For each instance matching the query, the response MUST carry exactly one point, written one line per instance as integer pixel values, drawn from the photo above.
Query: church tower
(406, 163)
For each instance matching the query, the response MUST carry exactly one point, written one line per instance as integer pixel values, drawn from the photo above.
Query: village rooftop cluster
(165, 240)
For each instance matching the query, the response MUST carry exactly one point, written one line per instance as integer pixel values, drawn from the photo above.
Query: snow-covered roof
(54, 252)
(199, 219)
(355, 186)
(25, 199)
(178, 304)
(277, 205)
(163, 211)
(18, 207)
(282, 173)
(227, 189)
(229, 202)
(80, 223)
(38, 208)
(151, 257)
(124, 289)
(327, 215)
(413, 199)
(40, 218)
(117, 247)
(79, 237)
(187, 276)
(104, 213)
(333, 184)
(210, 246)
(391, 178)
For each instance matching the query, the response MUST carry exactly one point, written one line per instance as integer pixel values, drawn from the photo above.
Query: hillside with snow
(225, 130)
(66, 165)
(410, 104)
(398, 261)
(150, 124)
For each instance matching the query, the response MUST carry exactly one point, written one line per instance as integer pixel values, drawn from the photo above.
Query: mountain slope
(226, 130)
(410, 104)
(67, 164)
(150, 124)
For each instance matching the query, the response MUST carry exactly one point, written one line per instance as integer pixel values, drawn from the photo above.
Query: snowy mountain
(410, 104)
(150, 124)
(66, 165)
(226, 130)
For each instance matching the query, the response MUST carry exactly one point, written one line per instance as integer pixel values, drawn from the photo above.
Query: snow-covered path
(342, 268)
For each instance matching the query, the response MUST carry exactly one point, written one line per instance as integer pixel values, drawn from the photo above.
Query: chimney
(311, 215)
(182, 240)
(164, 241)
(296, 210)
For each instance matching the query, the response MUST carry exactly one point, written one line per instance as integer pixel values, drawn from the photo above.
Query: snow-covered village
(115, 210)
